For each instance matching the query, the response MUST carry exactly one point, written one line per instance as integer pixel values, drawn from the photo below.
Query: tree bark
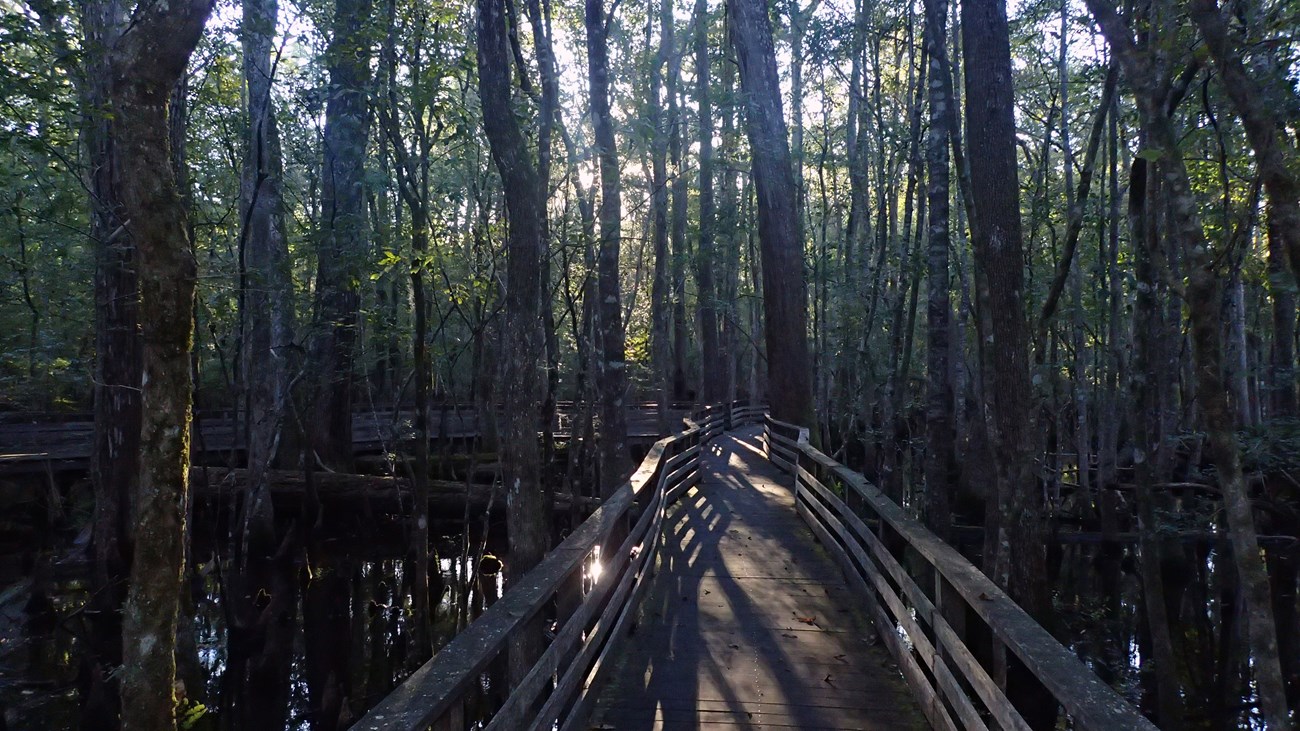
(266, 314)
(1146, 438)
(677, 225)
(712, 364)
(147, 62)
(1282, 370)
(115, 458)
(998, 247)
(522, 344)
(611, 372)
(939, 410)
(343, 236)
(785, 297)
(660, 313)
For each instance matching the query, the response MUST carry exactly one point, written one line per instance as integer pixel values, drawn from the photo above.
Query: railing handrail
(438, 688)
(1092, 704)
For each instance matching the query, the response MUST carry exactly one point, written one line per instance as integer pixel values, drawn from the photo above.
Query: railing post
(453, 719)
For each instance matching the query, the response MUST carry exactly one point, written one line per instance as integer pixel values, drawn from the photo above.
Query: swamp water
(359, 609)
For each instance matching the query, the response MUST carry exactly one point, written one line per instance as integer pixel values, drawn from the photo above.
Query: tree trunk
(729, 253)
(711, 361)
(115, 460)
(522, 344)
(991, 135)
(677, 226)
(660, 313)
(343, 237)
(1202, 296)
(939, 410)
(147, 62)
(1282, 370)
(1018, 558)
(611, 372)
(1147, 436)
(266, 314)
(780, 230)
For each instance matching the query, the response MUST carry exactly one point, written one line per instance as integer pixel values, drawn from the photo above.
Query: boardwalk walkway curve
(688, 659)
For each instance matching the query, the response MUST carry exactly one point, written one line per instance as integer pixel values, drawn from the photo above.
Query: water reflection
(312, 649)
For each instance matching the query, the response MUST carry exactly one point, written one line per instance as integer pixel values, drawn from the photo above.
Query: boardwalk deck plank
(749, 624)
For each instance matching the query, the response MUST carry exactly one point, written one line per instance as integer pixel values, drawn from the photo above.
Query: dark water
(1098, 597)
(42, 635)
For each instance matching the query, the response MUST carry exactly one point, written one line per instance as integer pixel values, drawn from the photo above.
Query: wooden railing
(558, 687)
(947, 625)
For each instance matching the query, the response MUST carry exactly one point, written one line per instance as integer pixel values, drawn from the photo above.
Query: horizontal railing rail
(558, 688)
(947, 624)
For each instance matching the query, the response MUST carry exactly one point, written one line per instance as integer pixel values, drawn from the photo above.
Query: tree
(611, 371)
(711, 360)
(266, 339)
(939, 416)
(115, 457)
(1277, 164)
(343, 235)
(147, 61)
(522, 333)
(998, 247)
(780, 228)
(660, 313)
(1202, 294)
(267, 311)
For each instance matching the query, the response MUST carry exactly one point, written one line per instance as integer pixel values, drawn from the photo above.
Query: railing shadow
(973, 658)
(687, 680)
(617, 544)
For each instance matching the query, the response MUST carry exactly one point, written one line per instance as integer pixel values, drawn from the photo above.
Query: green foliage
(190, 714)
(1272, 448)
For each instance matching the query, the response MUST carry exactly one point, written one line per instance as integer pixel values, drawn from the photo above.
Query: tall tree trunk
(611, 372)
(147, 62)
(1202, 296)
(343, 235)
(1147, 436)
(522, 344)
(682, 382)
(785, 296)
(711, 362)
(660, 293)
(729, 252)
(115, 457)
(540, 19)
(939, 409)
(998, 247)
(1282, 370)
(266, 315)
(266, 324)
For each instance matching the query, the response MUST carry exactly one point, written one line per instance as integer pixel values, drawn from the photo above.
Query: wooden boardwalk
(748, 623)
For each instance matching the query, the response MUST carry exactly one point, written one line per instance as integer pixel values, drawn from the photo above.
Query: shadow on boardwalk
(749, 624)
